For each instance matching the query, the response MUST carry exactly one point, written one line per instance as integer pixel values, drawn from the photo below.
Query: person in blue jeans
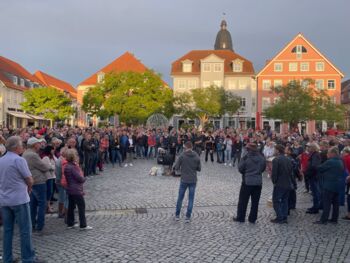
(283, 183)
(15, 183)
(188, 163)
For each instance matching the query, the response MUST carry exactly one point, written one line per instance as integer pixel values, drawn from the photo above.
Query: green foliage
(208, 102)
(49, 102)
(133, 96)
(296, 104)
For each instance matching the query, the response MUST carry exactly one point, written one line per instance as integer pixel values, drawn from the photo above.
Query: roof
(51, 81)
(124, 63)
(197, 55)
(9, 66)
(300, 35)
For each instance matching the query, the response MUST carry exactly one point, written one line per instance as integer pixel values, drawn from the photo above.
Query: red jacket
(151, 141)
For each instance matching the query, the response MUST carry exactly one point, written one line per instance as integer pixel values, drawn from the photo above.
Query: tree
(48, 102)
(133, 96)
(297, 104)
(203, 103)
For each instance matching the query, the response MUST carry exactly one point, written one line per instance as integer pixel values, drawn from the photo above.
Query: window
(278, 67)
(266, 84)
(319, 83)
(242, 84)
(293, 66)
(333, 99)
(206, 67)
(265, 103)
(187, 67)
(182, 84)
(15, 98)
(237, 66)
(232, 84)
(217, 67)
(100, 77)
(304, 66)
(206, 84)
(319, 66)
(275, 100)
(22, 82)
(242, 103)
(331, 84)
(305, 83)
(191, 84)
(217, 83)
(277, 83)
(15, 80)
(299, 51)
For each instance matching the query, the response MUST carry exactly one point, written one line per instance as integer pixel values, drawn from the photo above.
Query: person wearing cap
(330, 174)
(15, 185)
(38, 169)
(283, 183)
(311, 173)
(251, 167)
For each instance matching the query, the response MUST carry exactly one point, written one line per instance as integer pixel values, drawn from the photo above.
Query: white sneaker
(177, 218)
(71, 227)
(130, 164)
(86, 228)
(126, 165)
(229, 164)
(225, 164)
(187, 220)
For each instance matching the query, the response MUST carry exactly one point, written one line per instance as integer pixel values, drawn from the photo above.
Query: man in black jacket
(251, 167)
(282, 179)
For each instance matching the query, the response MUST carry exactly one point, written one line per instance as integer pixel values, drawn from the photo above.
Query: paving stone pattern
(133, 218)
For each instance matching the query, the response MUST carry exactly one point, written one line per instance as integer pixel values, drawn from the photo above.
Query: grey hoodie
(251, 167)
(188, 164)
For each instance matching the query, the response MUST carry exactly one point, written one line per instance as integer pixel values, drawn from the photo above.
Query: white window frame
(208, 69)
(293, 66)
(242, 84)
(318, 82)
(265, 83)
(181, 84)
(192, 84)
(232, 84)
(237, 66)
(277, 83)
(299, 51)
(319, 66)
(187, 67)
(278, 67)
(22, 82)
(15, 80)
(265, 102)
(304, 66)
(206, 84)
(243, 102)
(217, 83)
(328, 81)
(305, 83)
(218, 67)
(100, 77)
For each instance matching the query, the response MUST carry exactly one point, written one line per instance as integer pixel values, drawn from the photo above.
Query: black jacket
(313, 164)
(282, 172)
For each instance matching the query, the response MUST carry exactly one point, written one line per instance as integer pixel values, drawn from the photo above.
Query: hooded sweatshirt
(251, 167)
(188, 164)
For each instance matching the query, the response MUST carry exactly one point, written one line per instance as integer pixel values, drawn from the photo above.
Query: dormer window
(237, 65)
(22, 82)
(187, 66)
(100, 77)
(299, 50)
(15, 80)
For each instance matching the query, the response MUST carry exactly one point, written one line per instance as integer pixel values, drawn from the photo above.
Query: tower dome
(223, 38)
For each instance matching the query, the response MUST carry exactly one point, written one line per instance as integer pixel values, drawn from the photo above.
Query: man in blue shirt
(15, 183)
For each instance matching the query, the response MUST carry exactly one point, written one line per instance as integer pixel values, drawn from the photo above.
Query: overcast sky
(72, 39)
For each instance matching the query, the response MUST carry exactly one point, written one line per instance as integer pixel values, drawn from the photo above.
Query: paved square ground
(133, 218)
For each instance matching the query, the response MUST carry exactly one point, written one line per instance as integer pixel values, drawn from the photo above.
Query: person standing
(331, 174)
(188, 163)
(15, 185)
(38, 169)
(209, 147)
(251, 167)
(282, 179)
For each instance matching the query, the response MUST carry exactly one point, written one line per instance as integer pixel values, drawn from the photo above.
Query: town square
(184, 131)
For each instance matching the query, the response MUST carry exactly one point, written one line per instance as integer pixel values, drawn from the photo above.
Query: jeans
(280, 202)
(236, 156)
(228, 156)
(330, 199)
(246, 192)
(62, 196)
(191, 191)
(151, 149)
(316, 196)
(21, 215)
(38, 205)
(116, 156)
(49, 188)
(80, 202)
(211, 152)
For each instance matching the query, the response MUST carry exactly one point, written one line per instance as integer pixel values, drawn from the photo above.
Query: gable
(212, 58)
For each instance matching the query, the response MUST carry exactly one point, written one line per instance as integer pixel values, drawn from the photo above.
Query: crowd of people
(40, 166)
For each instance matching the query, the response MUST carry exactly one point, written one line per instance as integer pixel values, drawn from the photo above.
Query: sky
(72, 39)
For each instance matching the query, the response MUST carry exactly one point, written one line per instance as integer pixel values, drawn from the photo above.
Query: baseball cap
(33, 140)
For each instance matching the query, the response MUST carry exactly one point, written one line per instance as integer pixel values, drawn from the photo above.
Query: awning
(19, 114)
(36, 117)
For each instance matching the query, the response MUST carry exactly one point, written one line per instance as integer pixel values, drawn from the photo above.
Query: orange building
(298, 60)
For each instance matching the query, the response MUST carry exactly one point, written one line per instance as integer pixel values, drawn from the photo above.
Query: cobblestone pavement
(125, 232)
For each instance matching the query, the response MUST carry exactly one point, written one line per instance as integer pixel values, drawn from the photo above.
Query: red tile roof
(196, 55)
(51, 81)
(9, 66)
(126, 62)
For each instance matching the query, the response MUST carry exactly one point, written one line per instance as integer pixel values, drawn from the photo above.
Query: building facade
(220, 67)
(345, 100)
(300, 61)
(14, 80)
